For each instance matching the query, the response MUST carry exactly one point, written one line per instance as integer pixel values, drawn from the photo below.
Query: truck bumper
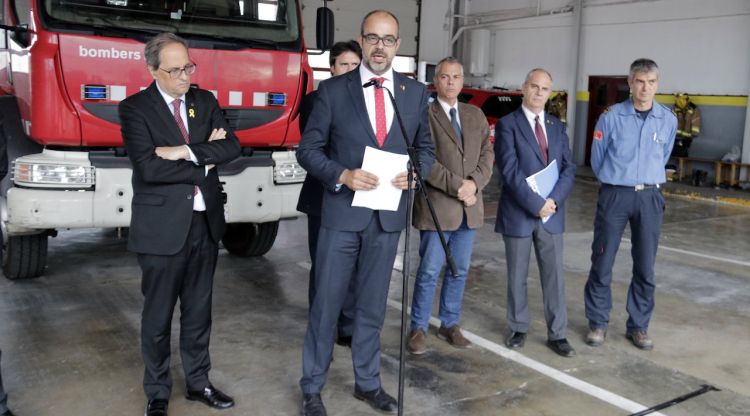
(252, 196)
(107, 206)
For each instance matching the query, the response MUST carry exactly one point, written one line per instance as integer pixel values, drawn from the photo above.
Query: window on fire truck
(271, 21)
(499, 106)
(21, 8)
(465, 97)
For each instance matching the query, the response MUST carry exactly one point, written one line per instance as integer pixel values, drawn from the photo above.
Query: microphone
(372, 82)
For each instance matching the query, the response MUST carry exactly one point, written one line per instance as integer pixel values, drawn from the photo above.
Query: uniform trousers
(643, 210)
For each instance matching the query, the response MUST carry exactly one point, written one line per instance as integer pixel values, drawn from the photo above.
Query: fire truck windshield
(265, 24)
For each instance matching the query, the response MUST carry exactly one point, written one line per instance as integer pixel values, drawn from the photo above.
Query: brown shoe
(596, 337)
(417, 344)
(640, 339)
(454, 336)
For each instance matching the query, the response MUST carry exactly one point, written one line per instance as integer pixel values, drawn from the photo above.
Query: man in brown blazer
(462, 168)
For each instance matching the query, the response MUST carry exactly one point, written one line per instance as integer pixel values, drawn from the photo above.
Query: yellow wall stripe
(725, 100)
(668, 99)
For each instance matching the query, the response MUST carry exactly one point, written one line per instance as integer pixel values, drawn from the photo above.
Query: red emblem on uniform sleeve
(598, 135)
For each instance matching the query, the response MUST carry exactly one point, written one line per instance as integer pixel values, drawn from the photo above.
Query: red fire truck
(65, 65)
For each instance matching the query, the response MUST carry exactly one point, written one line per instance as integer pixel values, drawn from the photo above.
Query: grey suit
(518, 156)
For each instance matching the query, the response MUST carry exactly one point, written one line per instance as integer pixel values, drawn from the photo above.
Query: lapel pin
(191, 113)
(403, 87)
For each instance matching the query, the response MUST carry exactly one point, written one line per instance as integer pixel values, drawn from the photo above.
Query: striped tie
(183, 129)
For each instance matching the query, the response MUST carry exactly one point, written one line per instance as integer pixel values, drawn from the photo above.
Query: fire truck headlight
(34, 174)
(288, 172)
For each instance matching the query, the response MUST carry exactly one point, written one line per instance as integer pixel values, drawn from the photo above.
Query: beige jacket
(453, 163)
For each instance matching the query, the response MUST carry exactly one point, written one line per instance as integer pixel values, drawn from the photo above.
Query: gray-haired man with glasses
(175, 136)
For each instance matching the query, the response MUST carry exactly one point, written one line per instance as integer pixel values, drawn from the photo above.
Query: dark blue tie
(456, 127)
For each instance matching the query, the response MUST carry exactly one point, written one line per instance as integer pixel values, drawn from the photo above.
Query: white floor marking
(555, 374)
(701, 255)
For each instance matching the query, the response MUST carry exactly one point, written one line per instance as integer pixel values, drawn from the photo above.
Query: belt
(637, 188)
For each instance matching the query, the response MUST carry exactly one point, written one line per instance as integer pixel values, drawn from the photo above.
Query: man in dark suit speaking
(355, 243)
(527, 141)
(175, 136)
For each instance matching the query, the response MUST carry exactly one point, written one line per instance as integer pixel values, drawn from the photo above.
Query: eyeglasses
(174, 73)
(373, 39)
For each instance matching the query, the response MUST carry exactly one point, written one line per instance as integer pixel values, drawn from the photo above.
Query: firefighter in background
(558, 106)
(688, 124)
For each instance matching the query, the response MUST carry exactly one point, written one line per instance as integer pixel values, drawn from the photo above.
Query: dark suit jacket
(3, 150)
(518, 156)
(337, 133)
(311, 195)
(162, 207)
(455, 162)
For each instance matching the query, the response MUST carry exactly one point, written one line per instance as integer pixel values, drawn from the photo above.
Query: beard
(379, 68)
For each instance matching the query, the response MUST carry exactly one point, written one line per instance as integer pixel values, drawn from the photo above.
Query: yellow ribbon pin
(403, 87)
(191, 113)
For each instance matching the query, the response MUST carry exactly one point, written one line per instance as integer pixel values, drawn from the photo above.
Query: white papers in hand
(544, 181)
(384, 165)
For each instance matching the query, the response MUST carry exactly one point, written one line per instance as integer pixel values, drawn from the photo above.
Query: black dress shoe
(378, 399)
(515, 340)
(344, 341)
(312, 405)
(211, 397)
(156, 407)
(561, 347)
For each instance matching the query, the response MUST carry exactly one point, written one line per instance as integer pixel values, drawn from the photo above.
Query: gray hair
(155, 45)
(448, 60)
(643, 65)
(367, 16)
(528, 76)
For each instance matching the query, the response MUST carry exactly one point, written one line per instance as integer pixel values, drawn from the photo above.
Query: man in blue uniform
(632, 143)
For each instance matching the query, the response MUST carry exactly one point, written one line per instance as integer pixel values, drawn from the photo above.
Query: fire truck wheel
(26, 256)
(250, 239)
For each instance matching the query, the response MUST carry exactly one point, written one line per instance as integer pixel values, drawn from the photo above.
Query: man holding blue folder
(528, 141)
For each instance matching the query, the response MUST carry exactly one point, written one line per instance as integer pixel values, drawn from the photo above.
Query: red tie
(178, 119)
(540, 138)
(183, 130)
(380, 128)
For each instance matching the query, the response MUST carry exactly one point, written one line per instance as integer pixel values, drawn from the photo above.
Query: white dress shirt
(530, 116)
(199, 204)
(447, 108)
(369, 92)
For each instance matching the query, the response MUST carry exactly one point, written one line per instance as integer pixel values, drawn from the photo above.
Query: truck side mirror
(20, 34)
(324, 29)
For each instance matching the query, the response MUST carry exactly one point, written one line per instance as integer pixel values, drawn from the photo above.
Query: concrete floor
(70, 339)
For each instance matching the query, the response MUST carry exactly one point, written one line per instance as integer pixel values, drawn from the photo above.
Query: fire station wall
(701, 48)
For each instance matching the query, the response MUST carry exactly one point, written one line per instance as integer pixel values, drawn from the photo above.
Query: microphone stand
(412, 169)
